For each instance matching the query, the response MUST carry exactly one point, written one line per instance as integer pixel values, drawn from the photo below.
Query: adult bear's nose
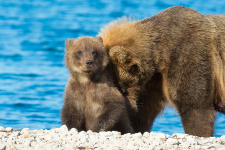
(89, 62)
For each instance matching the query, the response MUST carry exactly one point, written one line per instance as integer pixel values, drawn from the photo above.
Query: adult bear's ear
(135, 67)
(68, 43)
(99, 38)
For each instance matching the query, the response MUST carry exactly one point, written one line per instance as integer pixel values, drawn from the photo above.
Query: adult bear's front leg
(150, 103)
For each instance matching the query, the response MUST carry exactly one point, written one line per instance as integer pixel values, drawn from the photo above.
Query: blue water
(32, 69)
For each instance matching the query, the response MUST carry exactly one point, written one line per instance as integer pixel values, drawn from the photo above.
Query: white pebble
(146, 134)
(185, 145)
(2, 128)
(217, 141)
(156, 143)
(172, 141)
(8, 129)
(221, 148)
(63, 128)
(3, 134)
(179, 135)
(27, 143)
(2, 146)
(74, 130)
(25, 131)
(222, 139)
(216, 146)
(197, 147)
(33, 144)
(82, 134)
(151, 147)
(105, 134)
(191, 139)
(48, 137)
(137, 135)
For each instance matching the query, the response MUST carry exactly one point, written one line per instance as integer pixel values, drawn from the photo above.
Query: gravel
(62, 138)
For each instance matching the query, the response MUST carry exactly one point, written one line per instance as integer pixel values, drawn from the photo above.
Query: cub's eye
(94, 53)
(79, 52)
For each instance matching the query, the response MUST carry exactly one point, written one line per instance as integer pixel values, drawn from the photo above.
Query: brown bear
(92, 100)
(176, 56)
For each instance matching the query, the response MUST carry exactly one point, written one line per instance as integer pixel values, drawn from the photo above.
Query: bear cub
(92, 101)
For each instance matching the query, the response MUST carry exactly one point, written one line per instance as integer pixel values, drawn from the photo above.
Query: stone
(185, 145)
(222, 139)
(217, 141)
(136, 135)
(222, 147)
(3, 134)
(106, 134)
(2, 146)
(33, 144)
(25, 131)
(63, 128)
(9, 129)
(216, 146)
(27, 143)
(146, 134)
(75, 131)
(172, 141)
(2, 128)
(48, 137)
(179, 135)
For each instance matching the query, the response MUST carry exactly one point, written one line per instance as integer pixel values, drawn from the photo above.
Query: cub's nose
(89, 62)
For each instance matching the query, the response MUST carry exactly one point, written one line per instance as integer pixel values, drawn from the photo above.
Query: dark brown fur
(177, 56)
(92, 101)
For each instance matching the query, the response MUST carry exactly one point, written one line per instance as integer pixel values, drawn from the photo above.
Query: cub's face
(86, 55)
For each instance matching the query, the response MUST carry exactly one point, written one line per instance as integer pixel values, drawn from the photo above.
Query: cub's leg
(71, 117)
(124, 125)
(110, 118)
(198, 122)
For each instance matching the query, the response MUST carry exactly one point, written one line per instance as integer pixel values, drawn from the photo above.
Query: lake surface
(32, 68)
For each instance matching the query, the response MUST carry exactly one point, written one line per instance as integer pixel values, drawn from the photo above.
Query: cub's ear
(99, 39)
(68, 43)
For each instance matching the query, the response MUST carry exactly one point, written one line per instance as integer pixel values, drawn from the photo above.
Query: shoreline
(62, 138)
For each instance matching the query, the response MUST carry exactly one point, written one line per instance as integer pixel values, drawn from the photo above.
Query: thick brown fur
(92, 101)
(176, 56)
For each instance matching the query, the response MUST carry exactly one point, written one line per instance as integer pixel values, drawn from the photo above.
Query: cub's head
(86, 55)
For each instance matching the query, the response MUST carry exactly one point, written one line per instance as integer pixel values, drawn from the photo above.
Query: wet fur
(176, 56)
(92, 101)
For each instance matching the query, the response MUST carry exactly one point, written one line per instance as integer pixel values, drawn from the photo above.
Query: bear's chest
(95, 99)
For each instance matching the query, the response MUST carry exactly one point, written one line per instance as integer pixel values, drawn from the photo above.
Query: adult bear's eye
(94, 53)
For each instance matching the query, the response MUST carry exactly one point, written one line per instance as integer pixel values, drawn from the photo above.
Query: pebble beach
(62, 139)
